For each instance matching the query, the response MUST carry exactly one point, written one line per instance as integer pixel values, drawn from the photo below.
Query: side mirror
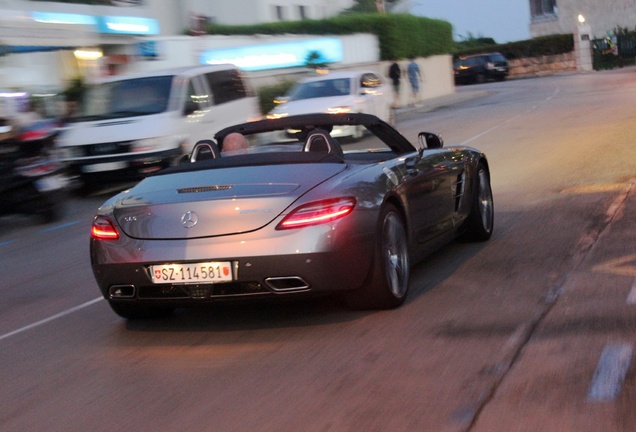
(429, 140)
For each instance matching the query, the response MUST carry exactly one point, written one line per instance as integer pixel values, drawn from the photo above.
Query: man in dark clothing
(395, 73)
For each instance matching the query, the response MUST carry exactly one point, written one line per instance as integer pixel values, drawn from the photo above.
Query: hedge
(400, 35)
(539, 46)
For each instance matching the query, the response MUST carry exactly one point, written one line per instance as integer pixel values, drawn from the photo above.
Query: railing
(610, 53)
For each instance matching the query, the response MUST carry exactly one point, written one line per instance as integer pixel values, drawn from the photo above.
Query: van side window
(226, 85)
(195, 101)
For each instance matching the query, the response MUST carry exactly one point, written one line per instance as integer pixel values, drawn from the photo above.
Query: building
(44, 44)
(245, 12)
(561, 16)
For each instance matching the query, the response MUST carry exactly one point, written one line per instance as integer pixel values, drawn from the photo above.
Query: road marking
(556, 92)
(45, 230)
(57, 227)
(610, 372)
(49, 319)
(631, 298)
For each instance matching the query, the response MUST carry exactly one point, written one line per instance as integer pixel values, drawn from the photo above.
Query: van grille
(107, 149)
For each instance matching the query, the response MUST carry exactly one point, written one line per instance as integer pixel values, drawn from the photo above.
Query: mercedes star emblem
(189, 219)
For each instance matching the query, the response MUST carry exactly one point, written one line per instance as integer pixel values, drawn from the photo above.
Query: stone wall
(543, 65)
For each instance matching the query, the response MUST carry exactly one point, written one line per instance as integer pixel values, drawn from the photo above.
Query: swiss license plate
(205, 272)
(106, 166)
(47, 184)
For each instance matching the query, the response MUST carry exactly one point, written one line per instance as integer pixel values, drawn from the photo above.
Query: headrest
(205, 149)
(319, 140)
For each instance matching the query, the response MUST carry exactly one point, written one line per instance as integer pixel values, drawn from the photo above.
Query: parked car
(339, 92)
(290, 216)
(480, 68)
(130, 126)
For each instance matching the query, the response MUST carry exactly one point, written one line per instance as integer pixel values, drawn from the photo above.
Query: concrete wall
(543, 65)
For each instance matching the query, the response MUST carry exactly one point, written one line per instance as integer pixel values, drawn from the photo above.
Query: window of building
(540, 8)
(302, 12)
(279, 13)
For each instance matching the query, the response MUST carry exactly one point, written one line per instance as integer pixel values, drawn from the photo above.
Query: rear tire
(480, 221)
(388, 282)
(134, 311)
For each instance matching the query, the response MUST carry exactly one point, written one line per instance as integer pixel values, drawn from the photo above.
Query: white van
(130, 126)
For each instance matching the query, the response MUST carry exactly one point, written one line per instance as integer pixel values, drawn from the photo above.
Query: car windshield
(323, 88)
(133, 97)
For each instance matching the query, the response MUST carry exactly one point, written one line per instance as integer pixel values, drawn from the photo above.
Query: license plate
(47, 184)
(106, 166)
(208, 272)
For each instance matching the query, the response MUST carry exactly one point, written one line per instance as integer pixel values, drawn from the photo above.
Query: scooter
(32, 180)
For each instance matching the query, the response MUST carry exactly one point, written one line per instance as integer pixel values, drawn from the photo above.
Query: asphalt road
(531, 331)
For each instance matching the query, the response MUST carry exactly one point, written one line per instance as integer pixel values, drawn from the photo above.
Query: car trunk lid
(215, 202)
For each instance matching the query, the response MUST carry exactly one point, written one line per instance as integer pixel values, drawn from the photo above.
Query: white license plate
(206, 272)
(47, 184)
(107, 166)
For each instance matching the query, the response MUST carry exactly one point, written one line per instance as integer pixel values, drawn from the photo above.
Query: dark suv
(480, 68)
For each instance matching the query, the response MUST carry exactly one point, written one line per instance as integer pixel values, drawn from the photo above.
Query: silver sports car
(289, 211)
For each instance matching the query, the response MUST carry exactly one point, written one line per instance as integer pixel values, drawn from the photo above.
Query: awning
(30, 36)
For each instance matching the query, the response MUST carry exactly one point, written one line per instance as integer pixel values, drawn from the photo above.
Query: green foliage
(539, 46)
(73, 93)
(367, 6)
(315, 60)
(400, 35)
(474, 43)
(267, 94)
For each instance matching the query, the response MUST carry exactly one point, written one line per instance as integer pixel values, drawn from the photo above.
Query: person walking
(415, 77)
(395, 74)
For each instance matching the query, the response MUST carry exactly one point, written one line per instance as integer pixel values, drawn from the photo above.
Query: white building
(561, 16)
(44, 44)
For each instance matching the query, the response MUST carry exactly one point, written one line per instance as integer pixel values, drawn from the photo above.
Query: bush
(400, 35)
(536, 47)
(267, 94)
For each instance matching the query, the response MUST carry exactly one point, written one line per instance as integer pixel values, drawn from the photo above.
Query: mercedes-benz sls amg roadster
(291, 211)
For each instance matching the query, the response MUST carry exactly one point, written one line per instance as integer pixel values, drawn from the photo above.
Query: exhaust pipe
(286, 284)
(121, 291)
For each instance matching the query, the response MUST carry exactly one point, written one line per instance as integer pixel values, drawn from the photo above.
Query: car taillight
(318, 212)
(104, 229)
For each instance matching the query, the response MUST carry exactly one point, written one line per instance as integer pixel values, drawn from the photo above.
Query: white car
(340, 92)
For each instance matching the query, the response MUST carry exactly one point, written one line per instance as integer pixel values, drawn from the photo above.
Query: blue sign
(277, 55)
(127, 25)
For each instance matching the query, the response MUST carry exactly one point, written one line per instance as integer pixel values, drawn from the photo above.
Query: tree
(371, 6)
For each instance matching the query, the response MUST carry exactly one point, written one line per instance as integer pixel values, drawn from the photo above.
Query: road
(531, 331)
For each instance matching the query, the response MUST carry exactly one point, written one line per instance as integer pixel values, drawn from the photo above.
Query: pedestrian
(415, 77)
(395, 73)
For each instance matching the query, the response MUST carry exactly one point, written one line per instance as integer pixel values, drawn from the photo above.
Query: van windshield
(126, 98)
(322, 88)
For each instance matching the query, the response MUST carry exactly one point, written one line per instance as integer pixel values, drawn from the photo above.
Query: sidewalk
(576, 372)
(435, 103)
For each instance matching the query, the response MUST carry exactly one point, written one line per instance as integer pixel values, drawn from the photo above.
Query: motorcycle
(32, 180)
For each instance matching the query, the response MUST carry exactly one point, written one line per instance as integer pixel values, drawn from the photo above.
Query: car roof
(336, 75)
(481, 55)
(186, 71)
